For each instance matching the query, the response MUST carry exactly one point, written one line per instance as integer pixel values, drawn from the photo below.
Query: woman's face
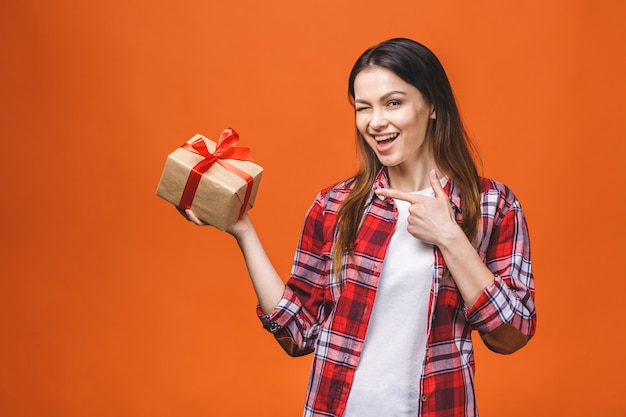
(393, 117)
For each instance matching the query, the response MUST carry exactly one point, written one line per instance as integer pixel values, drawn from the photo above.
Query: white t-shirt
(387, 377)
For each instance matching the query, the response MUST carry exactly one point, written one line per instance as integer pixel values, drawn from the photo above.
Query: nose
(378, 120)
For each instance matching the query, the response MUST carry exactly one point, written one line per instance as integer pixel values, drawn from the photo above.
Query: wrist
(452, 238)
(244, 236)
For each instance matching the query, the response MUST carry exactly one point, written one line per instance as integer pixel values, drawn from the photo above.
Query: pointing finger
(400, 195)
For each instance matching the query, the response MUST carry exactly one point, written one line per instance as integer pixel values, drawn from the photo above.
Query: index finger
(400, 195)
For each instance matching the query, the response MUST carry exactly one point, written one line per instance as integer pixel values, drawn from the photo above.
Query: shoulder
(489, 185)
(497, 197)
(320, 219)
(340, 188)
(332, 196)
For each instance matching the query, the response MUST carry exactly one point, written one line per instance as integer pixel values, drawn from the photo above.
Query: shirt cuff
(494, 307)
(284, 311)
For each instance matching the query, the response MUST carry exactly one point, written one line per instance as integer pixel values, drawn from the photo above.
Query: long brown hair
(453, 151)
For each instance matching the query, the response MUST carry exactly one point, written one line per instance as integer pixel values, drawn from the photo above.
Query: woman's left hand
(430, 220)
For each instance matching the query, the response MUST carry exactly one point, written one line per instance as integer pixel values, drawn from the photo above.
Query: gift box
(218, 181)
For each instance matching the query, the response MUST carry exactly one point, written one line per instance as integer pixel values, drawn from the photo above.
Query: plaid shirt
(330, 317)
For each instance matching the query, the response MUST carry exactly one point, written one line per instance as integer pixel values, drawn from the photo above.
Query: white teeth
(386, 137)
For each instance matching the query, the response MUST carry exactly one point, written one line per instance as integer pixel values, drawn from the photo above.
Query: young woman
(398, 265)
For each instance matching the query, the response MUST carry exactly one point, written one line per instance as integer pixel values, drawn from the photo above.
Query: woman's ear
(433, 113)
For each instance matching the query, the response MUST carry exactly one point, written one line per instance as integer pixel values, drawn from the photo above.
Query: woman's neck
(409, 179)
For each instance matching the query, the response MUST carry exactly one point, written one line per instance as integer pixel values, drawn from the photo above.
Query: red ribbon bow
(226, 149)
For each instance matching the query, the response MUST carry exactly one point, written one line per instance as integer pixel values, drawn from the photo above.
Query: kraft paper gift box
(218, 181)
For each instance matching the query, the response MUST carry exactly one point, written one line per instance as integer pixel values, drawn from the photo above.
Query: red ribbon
(226, 149)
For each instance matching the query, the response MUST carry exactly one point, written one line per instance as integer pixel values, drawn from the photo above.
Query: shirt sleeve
(504, 314)
(295, 322)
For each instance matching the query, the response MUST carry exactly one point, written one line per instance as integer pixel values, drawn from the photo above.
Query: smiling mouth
(386, 138)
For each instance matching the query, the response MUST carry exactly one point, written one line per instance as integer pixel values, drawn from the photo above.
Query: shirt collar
(381, 181)
(453, 195)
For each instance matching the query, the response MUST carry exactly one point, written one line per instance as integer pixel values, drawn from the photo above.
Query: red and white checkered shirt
(330, 317)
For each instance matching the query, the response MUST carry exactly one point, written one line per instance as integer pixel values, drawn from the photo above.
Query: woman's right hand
(240, 227)
(237, 230)
(189, 215)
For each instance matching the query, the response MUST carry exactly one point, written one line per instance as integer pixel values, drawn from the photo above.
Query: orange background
(112, 305)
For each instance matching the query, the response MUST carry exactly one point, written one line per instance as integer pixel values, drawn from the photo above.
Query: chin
(387, 161)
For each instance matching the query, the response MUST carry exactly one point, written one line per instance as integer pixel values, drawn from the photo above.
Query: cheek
(361, 124)
(360, 121)
(370, 144)
(361, 127)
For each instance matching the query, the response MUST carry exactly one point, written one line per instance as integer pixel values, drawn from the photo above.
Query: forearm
(470, 274)
(267, 284)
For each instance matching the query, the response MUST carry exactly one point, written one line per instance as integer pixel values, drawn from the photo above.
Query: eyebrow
(384, 96)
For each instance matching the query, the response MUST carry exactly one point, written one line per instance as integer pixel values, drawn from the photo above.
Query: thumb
(436, 184)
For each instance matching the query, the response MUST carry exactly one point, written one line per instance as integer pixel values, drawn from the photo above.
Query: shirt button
(426, 359)
(423, 398)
